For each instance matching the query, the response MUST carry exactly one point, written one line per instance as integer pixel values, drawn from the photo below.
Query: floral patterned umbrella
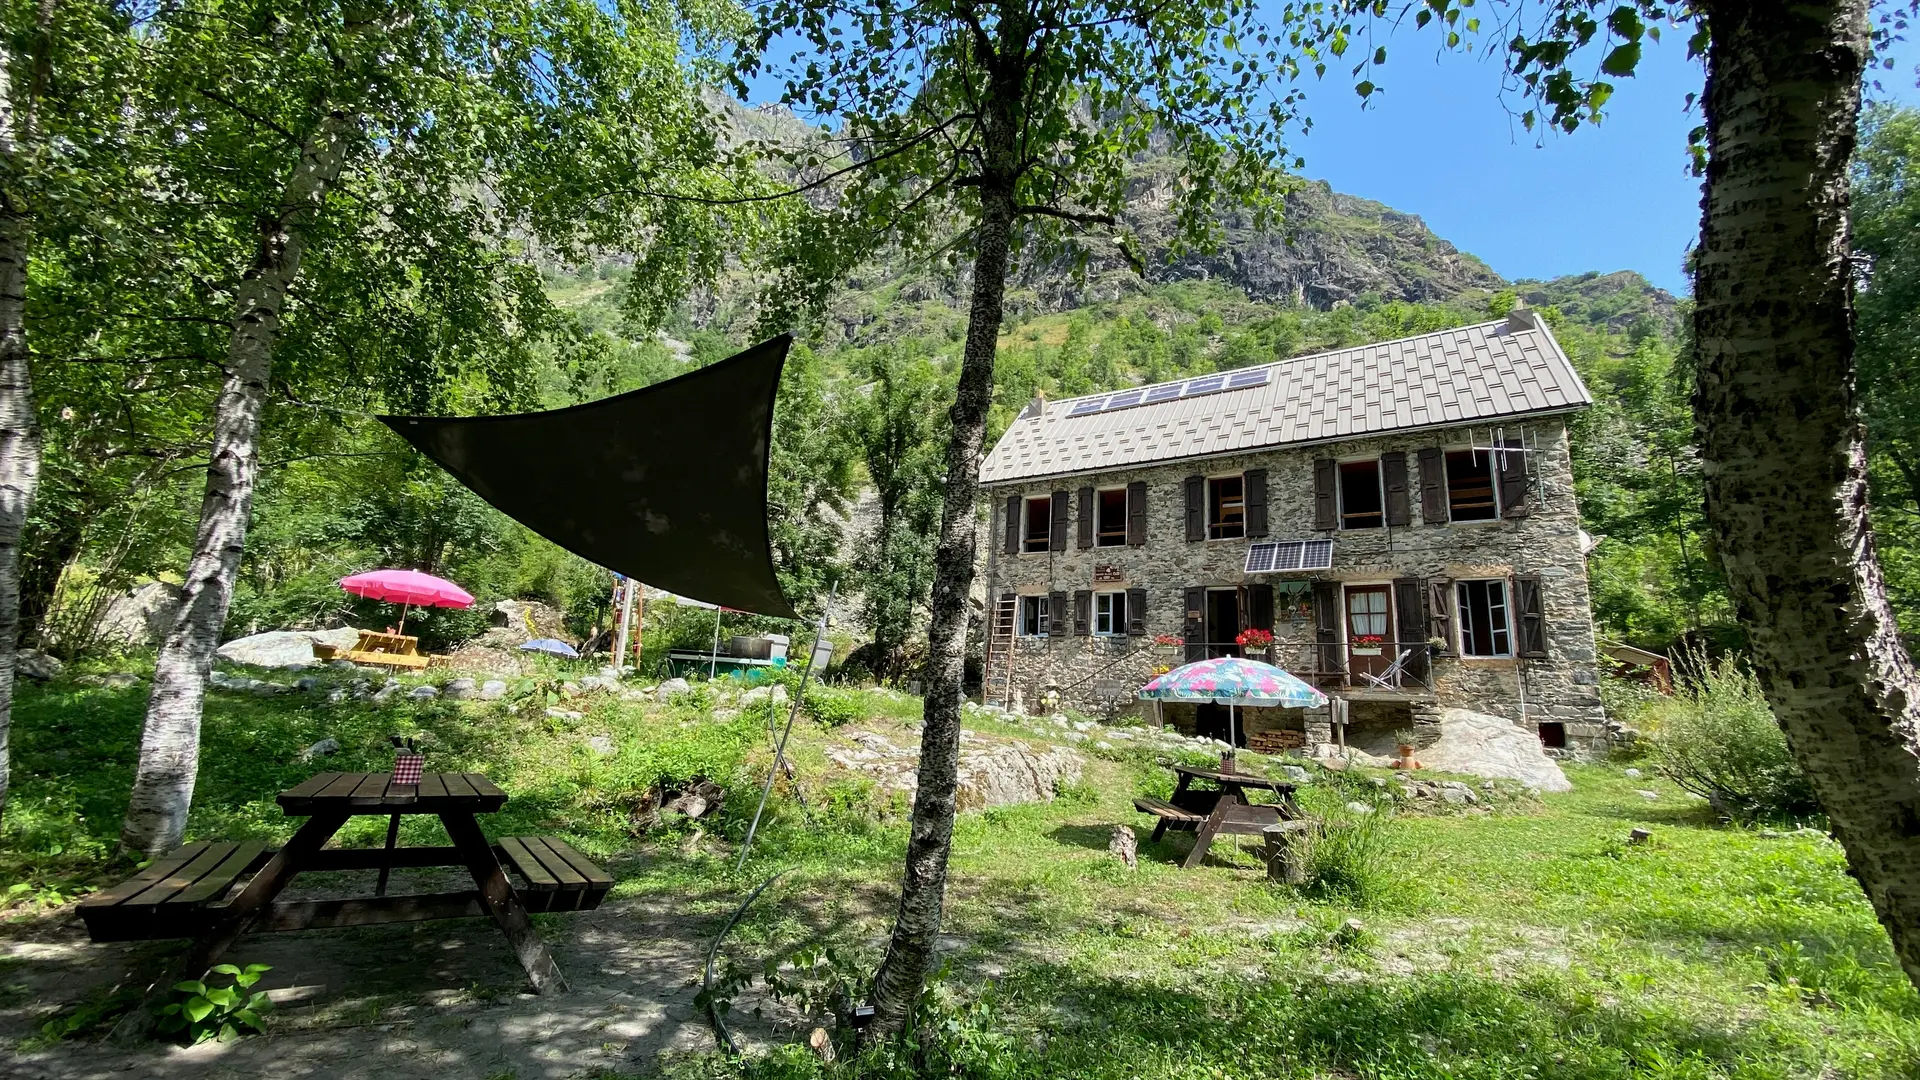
(1230, 681)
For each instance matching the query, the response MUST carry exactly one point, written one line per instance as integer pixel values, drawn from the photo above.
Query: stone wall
(1100, 674)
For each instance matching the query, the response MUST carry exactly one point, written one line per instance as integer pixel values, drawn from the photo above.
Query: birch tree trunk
(19, 425)
(1782, 442)
(170, 742)
(923, 887)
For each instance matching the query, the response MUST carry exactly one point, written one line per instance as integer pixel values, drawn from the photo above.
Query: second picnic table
(1221, 809)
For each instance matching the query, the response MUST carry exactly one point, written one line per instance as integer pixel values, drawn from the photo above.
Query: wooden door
(1369, 616)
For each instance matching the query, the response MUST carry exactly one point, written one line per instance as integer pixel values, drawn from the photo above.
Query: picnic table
(183, 894)
(383, 650)
(1221, 809)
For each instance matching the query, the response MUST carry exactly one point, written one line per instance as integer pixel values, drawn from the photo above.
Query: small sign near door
(1107, 575)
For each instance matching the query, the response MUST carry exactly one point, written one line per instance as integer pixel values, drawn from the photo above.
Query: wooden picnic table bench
(1222, 810)
(186, 892)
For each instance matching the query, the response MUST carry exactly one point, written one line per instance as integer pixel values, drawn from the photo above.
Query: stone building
(1399, 516)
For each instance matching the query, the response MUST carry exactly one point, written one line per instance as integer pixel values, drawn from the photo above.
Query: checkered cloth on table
(407, 767)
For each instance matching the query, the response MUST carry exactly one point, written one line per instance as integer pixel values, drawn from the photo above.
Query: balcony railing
(1308, 661)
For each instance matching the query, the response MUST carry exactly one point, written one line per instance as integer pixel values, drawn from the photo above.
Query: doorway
(1223, 622)
(1370, 637)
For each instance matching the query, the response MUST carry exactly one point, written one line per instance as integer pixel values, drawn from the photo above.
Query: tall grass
(1716, 737)
(1348, 857)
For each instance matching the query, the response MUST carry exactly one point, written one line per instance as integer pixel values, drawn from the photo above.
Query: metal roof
(1494, 371)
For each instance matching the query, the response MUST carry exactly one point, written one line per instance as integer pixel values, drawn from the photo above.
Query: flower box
(1366, 650)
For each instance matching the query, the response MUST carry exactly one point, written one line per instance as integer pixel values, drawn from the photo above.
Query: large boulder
(529, 619)
(993, 771)
(140, 616)
(34, 664)
(1481, 745)
(288, 650)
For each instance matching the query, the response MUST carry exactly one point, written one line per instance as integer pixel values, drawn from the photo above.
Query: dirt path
(438, 999)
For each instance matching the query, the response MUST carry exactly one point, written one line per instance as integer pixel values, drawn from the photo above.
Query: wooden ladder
(997, 677)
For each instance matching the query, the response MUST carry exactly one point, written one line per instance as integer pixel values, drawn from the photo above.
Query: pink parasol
(410, 588)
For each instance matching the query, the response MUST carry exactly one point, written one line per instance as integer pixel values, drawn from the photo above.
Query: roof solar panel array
(1153, 395)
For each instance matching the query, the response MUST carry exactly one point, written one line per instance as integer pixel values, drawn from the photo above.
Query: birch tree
(355, 190)
(1001, 130)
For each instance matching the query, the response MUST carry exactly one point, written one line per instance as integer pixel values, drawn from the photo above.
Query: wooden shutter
(1410, 620)
(1088, 511)
(1326, 505)
(1393, 470)
(1260, 606)
(1082, 613)
(1531, 620)
(1327, 618)
(1137, 513)
(1196, 509)
(1057, 529)
(1013, 525)
(1255, 482)
(1136, 613)
(1433, 486)
(1440, 613)
(1513, 482)
(1056, 614)
(1195, 628)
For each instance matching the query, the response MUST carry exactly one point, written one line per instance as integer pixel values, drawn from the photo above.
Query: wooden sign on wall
(1107, 575)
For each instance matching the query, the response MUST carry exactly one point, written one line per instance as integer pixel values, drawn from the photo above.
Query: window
(1038, 529)
(1226, 507)
(1110, 613)
(1110, 522)
(1033, 614)
(1483, 618)
(1361, 504)
(1470, 486)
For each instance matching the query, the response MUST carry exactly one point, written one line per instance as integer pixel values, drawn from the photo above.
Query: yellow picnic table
(386, 650)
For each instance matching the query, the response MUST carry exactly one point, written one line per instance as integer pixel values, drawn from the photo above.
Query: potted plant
(1255, 640)
(1403, 740)
(1168, 644)
(1367, 644)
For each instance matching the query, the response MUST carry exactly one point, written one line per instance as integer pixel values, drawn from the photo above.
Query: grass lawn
(1524, 941)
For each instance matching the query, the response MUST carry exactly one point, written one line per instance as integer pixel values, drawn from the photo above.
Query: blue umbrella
(553, 646)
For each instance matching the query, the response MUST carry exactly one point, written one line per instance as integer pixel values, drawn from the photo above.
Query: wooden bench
(558, 877)
(1171, 816)
(172, 897)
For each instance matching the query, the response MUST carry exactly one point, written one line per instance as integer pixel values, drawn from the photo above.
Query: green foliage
(829, 708)
(1349, 854)
(206, 1010)
(1717, 738)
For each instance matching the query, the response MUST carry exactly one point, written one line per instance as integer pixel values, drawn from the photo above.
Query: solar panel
(1163, 393)
(1124, 399)
(1281, 556)
(1260, 558)
(1154, 395)
(1209, 385)
(1317, 555)
(1087, 407)
(1241, 380)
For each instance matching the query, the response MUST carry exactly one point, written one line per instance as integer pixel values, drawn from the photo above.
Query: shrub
(1347, 859)
(829, 709)
(1717, 738)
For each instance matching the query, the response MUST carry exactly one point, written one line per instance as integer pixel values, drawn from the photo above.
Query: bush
(829, 709)
(1348, 858)
(1717, 738)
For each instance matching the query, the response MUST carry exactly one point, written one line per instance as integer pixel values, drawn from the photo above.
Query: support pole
(713, 659)
(639, 620)
(627, 585)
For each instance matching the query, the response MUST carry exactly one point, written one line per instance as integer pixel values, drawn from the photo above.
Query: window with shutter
(1136, 613)
(1196, 509)
(1088, 512)
(1260, 606)
(1440, 613)
(1433, 486)
(1036, 532)
(1409, 616)
(1012, 526)
(1256, 495)
(1361, 504)
(1226, 507)
(1110, 522)
(1393, 476)
(1057, 538)
(1532, 616)
(1470, 486)
(1513, 481)
(1137, 513)
(1057, 613)
(1326, 630)
(1194, 627)
(1486, 627)
(1082, 612)
(1326, 499)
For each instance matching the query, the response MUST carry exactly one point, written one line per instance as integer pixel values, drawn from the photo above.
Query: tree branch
(705, 200)
(1080, 216)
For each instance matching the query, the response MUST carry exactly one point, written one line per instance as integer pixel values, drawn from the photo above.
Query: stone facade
(1556, 693)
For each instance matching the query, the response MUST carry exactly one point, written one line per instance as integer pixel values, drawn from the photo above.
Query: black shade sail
(667, 485)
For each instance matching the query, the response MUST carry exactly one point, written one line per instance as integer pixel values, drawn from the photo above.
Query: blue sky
(1440, 144)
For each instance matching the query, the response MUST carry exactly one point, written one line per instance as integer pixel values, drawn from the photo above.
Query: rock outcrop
(993, 771)
(287, 650)
(140, 616)
(1481, 745)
